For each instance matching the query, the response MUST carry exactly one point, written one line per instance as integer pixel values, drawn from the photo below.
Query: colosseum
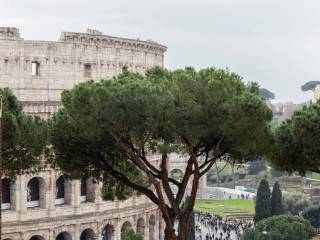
(46, 206)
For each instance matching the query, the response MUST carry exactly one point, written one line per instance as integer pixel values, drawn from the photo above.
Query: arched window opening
(60, 191)
(6, 194)
(36, 237)
(108, 233)
(83, 191)
(125, 227)
(152, 223)
(87, 234)
(64, 236)
(125, 69)
(33, 193)
(140, 227)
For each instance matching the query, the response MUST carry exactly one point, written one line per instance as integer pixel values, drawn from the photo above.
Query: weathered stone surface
(37, 72)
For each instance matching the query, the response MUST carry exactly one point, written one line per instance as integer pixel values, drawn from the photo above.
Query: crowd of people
(210, 227)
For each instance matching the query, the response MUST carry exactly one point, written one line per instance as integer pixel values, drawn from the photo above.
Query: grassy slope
(223, 207)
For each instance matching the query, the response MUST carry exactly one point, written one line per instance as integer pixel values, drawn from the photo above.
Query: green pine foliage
(281, 227)
(276, 200)
(112, 128)
(297, 142)
(263, 203)
(24, 137)
(130, 235)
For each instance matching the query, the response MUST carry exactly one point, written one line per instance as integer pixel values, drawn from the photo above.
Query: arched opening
(64, 236)
(36, 237)
(125, 69)
(35, 192)
(6, 194)
(87, 234)
(176, 174)
(108, 233)
(152, 224)
(140, 227)
(125, 227)
(83, 190)
(60, 191)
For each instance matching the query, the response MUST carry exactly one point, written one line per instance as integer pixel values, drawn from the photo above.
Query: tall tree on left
(23, 140)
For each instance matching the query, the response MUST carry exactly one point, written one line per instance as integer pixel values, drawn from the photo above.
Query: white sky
(273, 42)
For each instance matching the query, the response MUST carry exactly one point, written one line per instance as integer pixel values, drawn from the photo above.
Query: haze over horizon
(276, 44)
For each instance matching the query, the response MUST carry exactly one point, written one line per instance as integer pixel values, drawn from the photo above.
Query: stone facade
(45, 206)
(38, 71)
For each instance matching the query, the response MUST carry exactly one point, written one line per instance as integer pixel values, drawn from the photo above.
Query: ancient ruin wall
(38, 71)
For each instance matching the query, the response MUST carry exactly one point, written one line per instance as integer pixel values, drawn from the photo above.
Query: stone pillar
(147, 237)
(51, 234)
(117, 227)
(51, 195)
(76, 193)
(77, 233)
(98, 199)
(21, 191)
(156, 227)
(15, 195)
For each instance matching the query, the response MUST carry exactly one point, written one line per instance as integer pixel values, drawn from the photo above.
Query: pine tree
(263, 203)
(276, 200)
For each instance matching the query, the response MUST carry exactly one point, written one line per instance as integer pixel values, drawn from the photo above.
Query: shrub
(281, 227)
(295, 202)
(312, 214)
(130, 235)
(263, 203)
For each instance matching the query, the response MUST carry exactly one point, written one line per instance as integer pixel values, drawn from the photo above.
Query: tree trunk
(169, 235)
(218, 175)
(183, 230)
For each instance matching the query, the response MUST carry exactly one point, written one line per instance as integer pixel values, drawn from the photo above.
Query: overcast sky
(273, 42)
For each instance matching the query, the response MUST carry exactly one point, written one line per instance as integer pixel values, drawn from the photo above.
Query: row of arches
(36, 192)
(108, 232)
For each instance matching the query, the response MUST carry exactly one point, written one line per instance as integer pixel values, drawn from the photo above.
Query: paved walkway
(208, 230)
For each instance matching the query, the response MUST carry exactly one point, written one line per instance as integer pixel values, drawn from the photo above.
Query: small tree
(297, 142)
(295, 203)
(312, 214)
(281, 227)
(263, 204)
(114, 129)
(276, 200)
(266, 94)
(23, 140)
(310, 86)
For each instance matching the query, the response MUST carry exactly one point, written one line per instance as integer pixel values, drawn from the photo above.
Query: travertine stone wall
(49, 220)
(62, 64)
(59, 66)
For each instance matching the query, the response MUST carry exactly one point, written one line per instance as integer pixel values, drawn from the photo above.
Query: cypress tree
(263, 203)
(276, 200)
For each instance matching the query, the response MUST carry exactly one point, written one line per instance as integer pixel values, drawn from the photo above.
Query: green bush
(294, 203)
(312, 214)
(130, 235)
(281, 227)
